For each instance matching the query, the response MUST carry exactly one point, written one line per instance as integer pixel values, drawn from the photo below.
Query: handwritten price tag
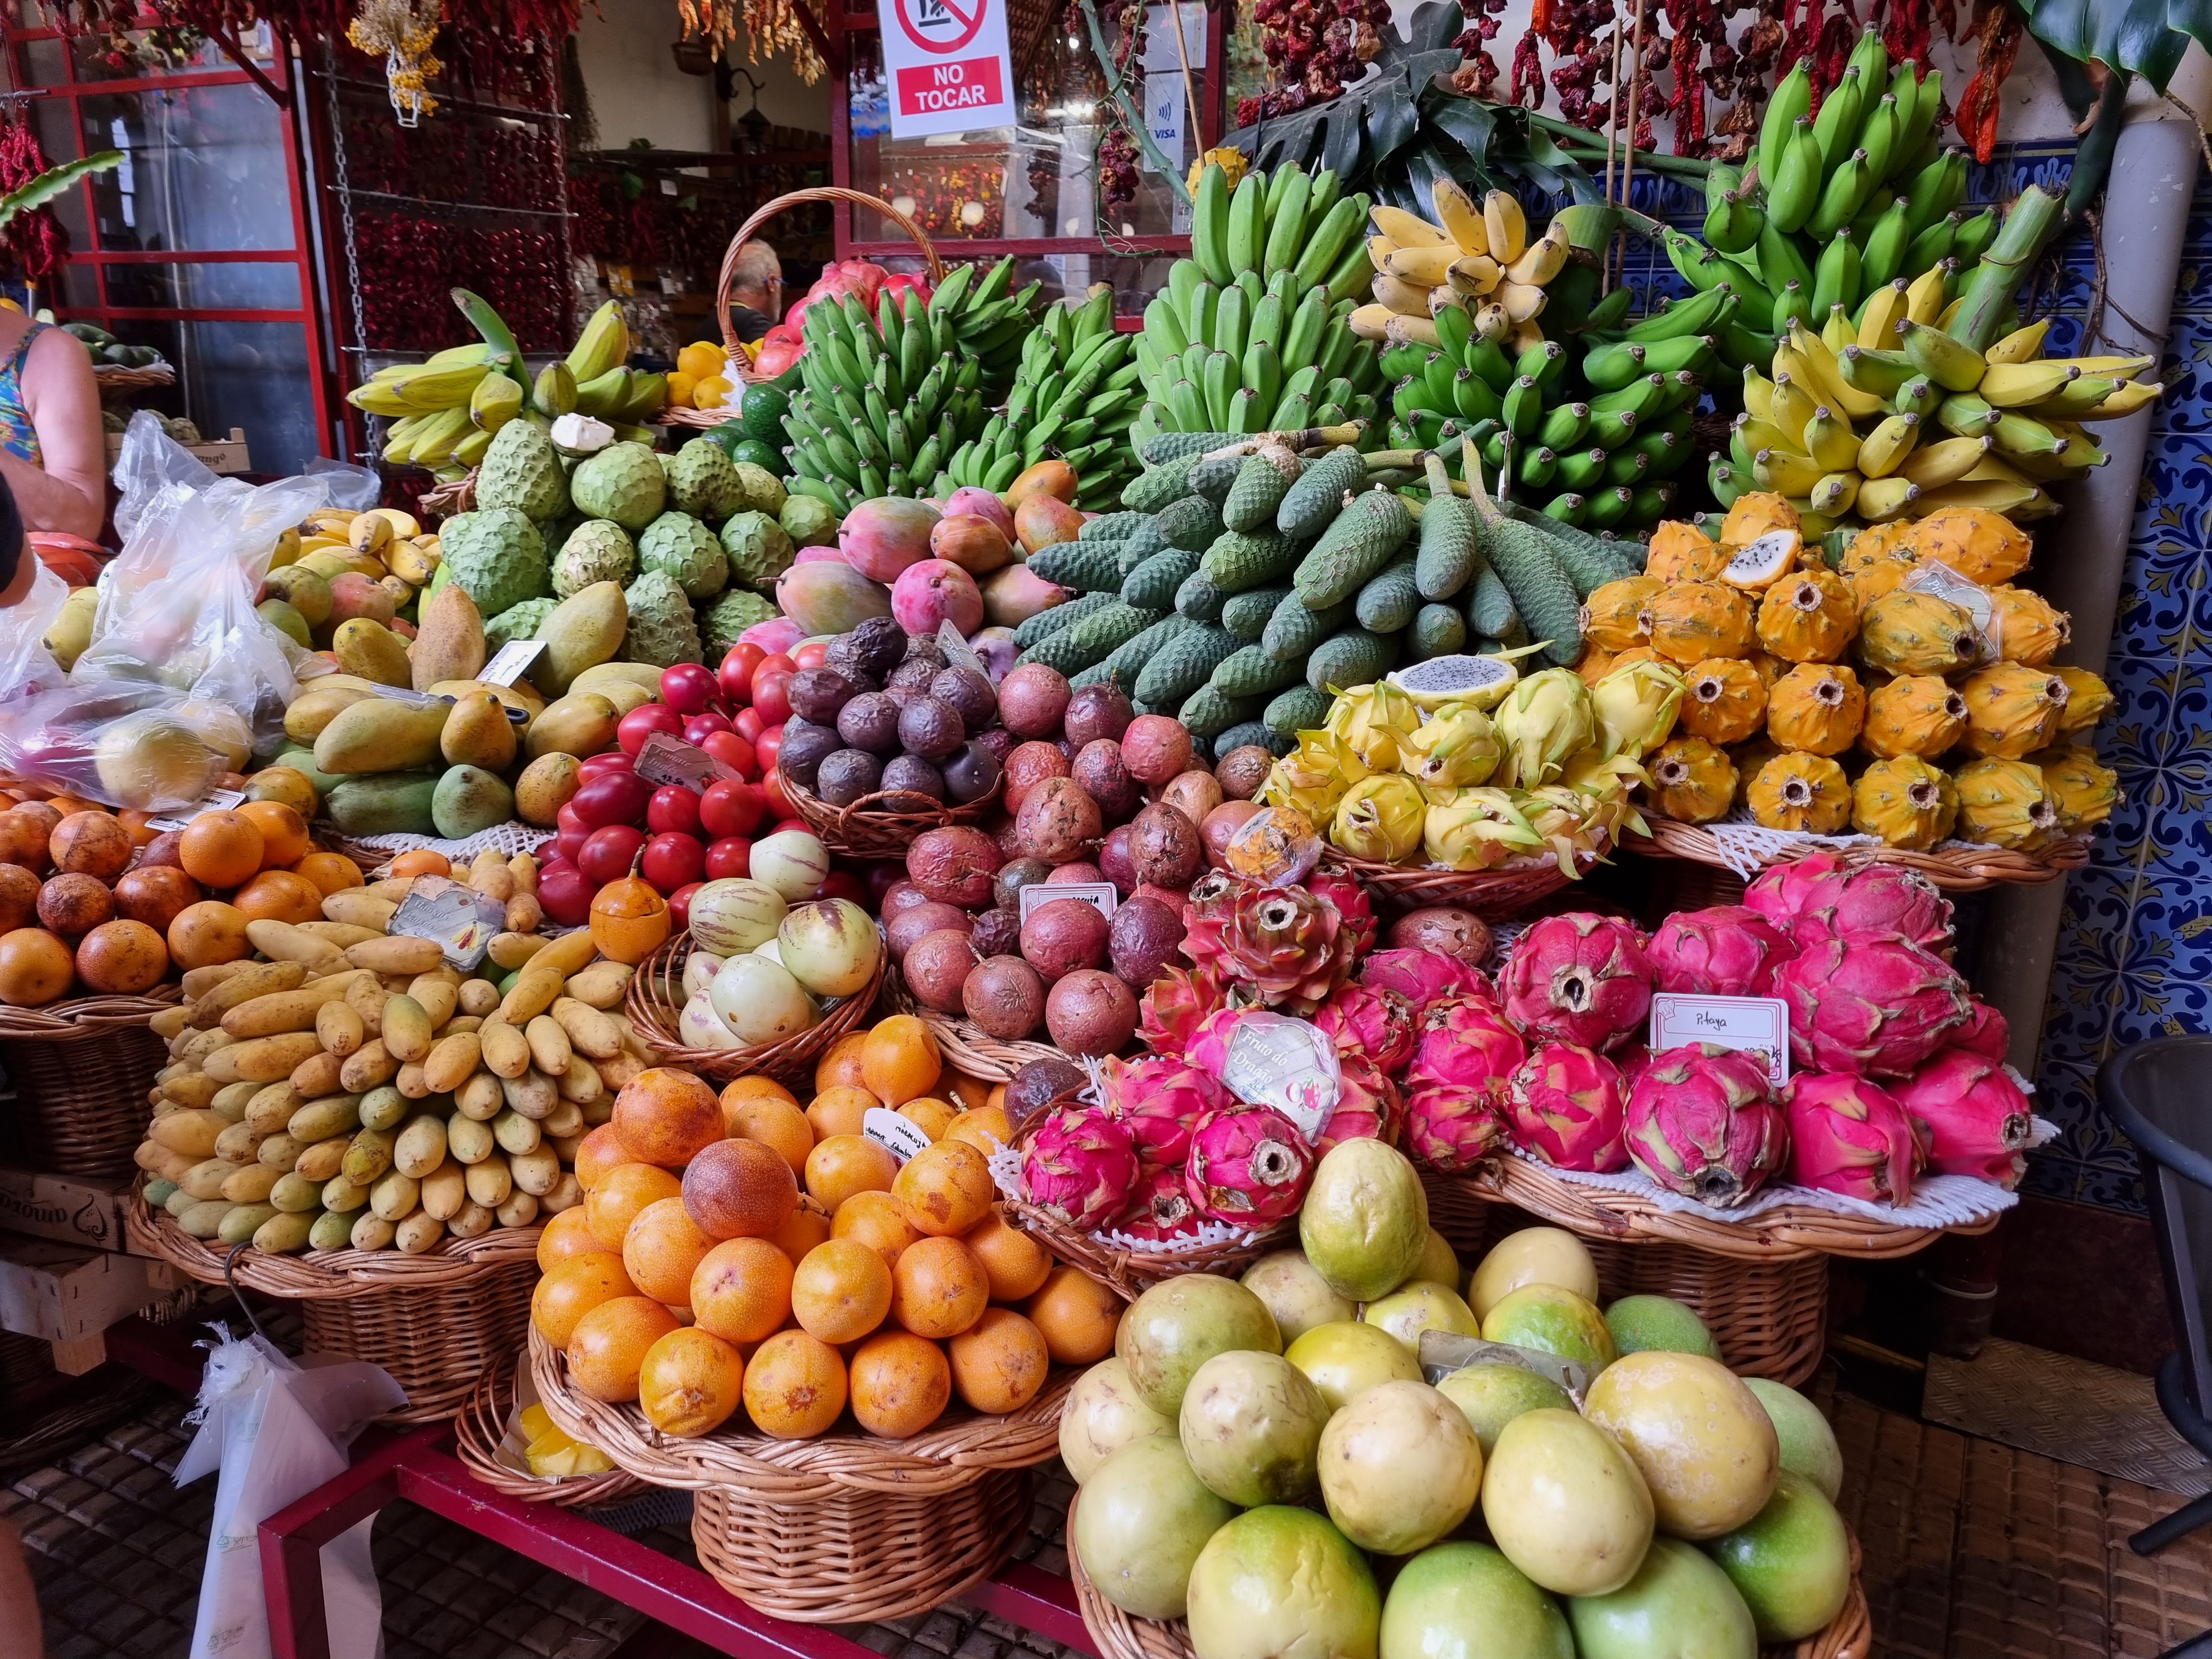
(1102, 895)
(1757, 1025)
(664, 759)
(459, 917)
(902, 1137)
(218, 800)
(511, 662)
(958, 652)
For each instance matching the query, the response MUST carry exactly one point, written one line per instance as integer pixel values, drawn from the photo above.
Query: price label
(902, 1137)
(1758, 1025)
(459, 917)
(511, 662)
(958, 653)
(664, 759)
(1288, 1064)
(1933, 576)
(403, 694)
(218, 800)
(1102, 895)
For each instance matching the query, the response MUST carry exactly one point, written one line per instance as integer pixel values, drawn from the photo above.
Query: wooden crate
(68, 1297)
(219, 455)
(70, 1209)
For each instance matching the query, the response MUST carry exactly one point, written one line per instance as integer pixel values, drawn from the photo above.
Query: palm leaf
(2145, 36)
(36, 193)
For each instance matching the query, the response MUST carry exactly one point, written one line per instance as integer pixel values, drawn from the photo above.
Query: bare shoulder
(57, 346)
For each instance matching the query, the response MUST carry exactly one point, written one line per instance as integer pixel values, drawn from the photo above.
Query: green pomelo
(1791, 1562)
(1639, 1322)
(1552, 1320)
(1468, 1601)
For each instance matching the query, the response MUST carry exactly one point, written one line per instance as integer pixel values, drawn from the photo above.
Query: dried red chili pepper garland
(1312, 47)
(35, 242)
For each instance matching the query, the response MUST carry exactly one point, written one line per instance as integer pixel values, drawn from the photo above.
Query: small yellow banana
(1837, 332)
(1505, 225)
(1923, 299)
(1835, 389)
(2014, 386)
(1522, 302)
(1932, 465)
(1492, 324)
(1542, 260)
(1411, 331)
(2126, 397)
(1406, 299)
(2121, 366)
(1834, 494)
(1830, 441)
(1881, 499)
(1462, 220)
(1878, 320)
(1424, 267)
(1997, 469)
(1524, 335)
(1758, 392)
(1787, 473)
(1757, 434)
(1474, 274)
(2022, 345)
(1884, 449)
(1791, 405)
(2012, 500)
(1406, 229)
(1379, 250)
(1368, 321)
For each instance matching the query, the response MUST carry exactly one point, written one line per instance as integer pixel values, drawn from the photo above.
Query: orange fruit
(840, 1065)
(899, 1061)
(931, 1113)
(1016, 1264)
(845, 1165)
(794, 1388)
(134, 824)
(774, 1120)
(609, 1346)
(284, 832)
(983, 1127)
(600, 1151)
(667, 1117)
(841, 1291)
(220, 848)
(35, 967)
(566, 1235)
(1000, 1364)
(945, 1189)
(839, 1110)
(423, 862)
(754, 1088)
(938, 1289)
(331, 872)
(689, 1382)
(876, 1220)
(614, 1202)
(207, 933)
(739, 1189)
(741, 1289)
(998, 1098)
(93, 843)
(661, 1247)
(900, 1384)
(572, 1288)
(279, 895)
(966, 1093)
(1078, 1315)
(807, 1227)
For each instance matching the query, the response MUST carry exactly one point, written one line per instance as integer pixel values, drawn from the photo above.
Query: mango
(381, 735)
(287, 622)
(316, 707)
(826, 597)
(371, 650)
(303, 590)
(449, 644)
(469, 799)
(388, 804)
(479, 732)
(584, 630)
(580, 724)
(357, 596)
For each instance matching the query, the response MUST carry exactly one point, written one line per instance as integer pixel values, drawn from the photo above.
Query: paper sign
(1100, 894)
(664, 759)
(510, 661)
(1934, 576)
(958, 653)
(902, 1137)
(1288, 1064)
(1757, 1025)
(1164, 111)
(461, 920)
(218, 800)
(947, 65)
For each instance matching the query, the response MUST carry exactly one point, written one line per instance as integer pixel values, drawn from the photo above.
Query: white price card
(459, 917)
(664, 759)
(1288, 1064)
(511, 662)
(218, 800)
(902, 1137)
(1757, 1025)
(958, 653)
(1102, 895)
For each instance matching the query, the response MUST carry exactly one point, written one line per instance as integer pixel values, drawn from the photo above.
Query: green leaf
(2146, 36)
(38, 191)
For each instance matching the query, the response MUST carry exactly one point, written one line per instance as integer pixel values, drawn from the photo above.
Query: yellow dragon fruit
(1565, 820)
(1691, 782)
(1749, 757)
(1605, 783)
(1922, 714)
(1769, 668)
(2028, 628)
(1612, 616)
(1596, 664)
(1905, 801)
(1796, 791)
(1808, 618)
(1476, 830)
(1981, 546)
(1689, 622)
(1370, 721)
(2089, 699)
(1907, 631)
(1755, 513)
(1681, 552)
(1724, 701)
(1817, 707)
(2012, 710)
(1545, 718)
(1379, 818)
(1878, 559)
(1455, 747)
(2084, 793)
(1312, 777)
(2005, 803)
(1635, 708)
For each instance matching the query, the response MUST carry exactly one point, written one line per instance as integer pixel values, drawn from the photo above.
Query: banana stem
(2035, 218)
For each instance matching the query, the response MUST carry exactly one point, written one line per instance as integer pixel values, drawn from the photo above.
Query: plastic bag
(150, 462)
(355, 489)
(124, 744)
(27, 667)
(277, 1429)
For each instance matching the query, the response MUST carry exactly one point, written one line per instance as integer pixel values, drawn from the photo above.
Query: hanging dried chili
(1996, 34)
(35, 242)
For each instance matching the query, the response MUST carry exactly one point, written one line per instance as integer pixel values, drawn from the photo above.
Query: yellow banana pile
(1478, 260)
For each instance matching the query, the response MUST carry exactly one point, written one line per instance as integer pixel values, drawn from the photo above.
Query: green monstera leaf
(2145, 36)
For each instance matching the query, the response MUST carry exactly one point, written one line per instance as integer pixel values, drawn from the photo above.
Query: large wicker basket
(1956, 868)
(842, 1529)
(655, 999)
(83, 1072)
(482, 1425)
(869, 829)
(964, 1045)
(1495, 894)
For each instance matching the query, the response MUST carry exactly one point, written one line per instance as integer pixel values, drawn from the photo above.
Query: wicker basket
(964, 1045)
(117, 380)
(867, 830)
(435, 1321)
(83, 1074)
(1120, 1635)
(482, 1425)
(1957, 868)
(656, 998)
(1494, 895)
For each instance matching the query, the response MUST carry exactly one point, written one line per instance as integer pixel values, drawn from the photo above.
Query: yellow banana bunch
(1474, 257)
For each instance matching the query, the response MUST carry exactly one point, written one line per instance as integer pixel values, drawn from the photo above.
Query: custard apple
(597, 550)
(622, 482)
(520, 622)
(758, 550)
(808, 521)
(520, 470)
(704, 481)
(764, 491)
(662, 630)
(723, 621)
(678, 545)
(496, 554)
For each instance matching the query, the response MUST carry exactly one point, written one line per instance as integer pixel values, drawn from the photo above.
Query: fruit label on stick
(218, 800)
(1934, 576)
(1103, 896)
(958, 653)
(461, 920)
(1442, 1352)
(902, 1137)
(1288, 1064)
(510, 661)
(664, 759)
(1758, 1025)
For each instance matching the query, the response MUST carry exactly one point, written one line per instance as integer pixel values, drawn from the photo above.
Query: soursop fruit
(622, 482)
(662, 630)
(758, 550)
(703, 481)
(597, 550)
(521, 470)
(763, 490)
(520, 622)
(808, 521)
(678, 545)
(723, 621)
(496, 554)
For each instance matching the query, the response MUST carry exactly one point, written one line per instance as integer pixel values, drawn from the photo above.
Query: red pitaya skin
(1208, 1049)
(1578, 978)
(1570, 1107)
(1874, 1006)
(1173, 1005)
(1702, 1123)
(1369, 1109)
(1423, 977)
(1820, 895)
(1285, 944)
(1727, 950)
(1249, 1166)
(1975, 1117)
(1161, 1209)
(1350, 899)
(1157, 1100)
(1081, 1168)
(1205, 914)
(1376, 1022)
(1456, 1084)
(1985, 1032)
(1848, 1135)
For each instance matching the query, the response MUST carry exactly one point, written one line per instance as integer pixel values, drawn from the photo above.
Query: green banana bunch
(1074, 397)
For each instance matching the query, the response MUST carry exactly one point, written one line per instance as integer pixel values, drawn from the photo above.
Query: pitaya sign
(948, 65)
(1759, 1025)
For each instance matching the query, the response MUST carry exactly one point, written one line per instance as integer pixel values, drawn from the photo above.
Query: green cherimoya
(496, 554)
(521, 470)
(519, 621)
(662, 630)
(722, 620)
(678, 545)
(759, 550)
(808, 520)
(764, 491)
(703, 481)
(623, 482)
(597, 550)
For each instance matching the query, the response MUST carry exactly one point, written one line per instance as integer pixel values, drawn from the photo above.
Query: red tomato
(733, 751)
(673, 859)
(679, 905)
(696, 728)
(844, 885)
(642, 721)
(748, 724)
(611, 797)
(811, 654)
(608, 855)
(736, 673)
(772, 694)
(598, 766)
(564, 892)
(687, 687)
(673, 807)
(766, 746)
(574, 832)
(732, 855)
(772, 789)
(794, 823)
(731, 808)
(774, 661)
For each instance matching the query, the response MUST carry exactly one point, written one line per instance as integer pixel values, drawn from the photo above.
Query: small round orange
(572, 1288)
(900, 1060)
(794, 1385)
(739, 1189)
(690, 1383)
(134, 824)
(983, 1127)
(839, 1110)
(284, 832)
(661, 1247)
(900, 1384)
(840, 1065)
(614, 1202)
(599, 1151)
(1017, 1264)
(422, 862)
(220, 848)
(207, 933)
(938, 1289)
(279, 895)
(287, 784)
(845, 1165)
(841, 1291)
(774, 1120)
(610, 1343)
(331, 872)
(931, 1113)
(807, 1227)
(565, 1235)
(741, 1289)
(1000, 1364)
(876, 1220)
(945, 1189)
(1078, 1315)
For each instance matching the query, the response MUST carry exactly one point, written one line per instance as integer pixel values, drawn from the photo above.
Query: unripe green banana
(1836, 278)
(1881, 254)
(1836, 126)
(1878, 135)
(1795, 189)
(1793, 97)
(1848, 185)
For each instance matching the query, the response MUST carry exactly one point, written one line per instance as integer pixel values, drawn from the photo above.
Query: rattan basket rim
(963, 1044)
(861, 826)
(776, 204)
(1493, 894)
(77, 1018)
(641, 1004)
(481, 1426)
(325, 1274)
(1960, 869)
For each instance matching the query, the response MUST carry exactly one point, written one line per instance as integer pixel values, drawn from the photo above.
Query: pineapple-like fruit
(2012, 710)
(1907, 631)
(2084, 791)
(1817, 707)
(1612, 616)
(2027, 627)
(1797, 791)
(1681, 552)
(1808, 618)
(1905, 801)
(1691, 782)
(1878, 559)
(1922, 714)
(1724, 701)
(1981, 546)
(1755, 513)
(2005, 803)
(1689, 622)
(2089, 699)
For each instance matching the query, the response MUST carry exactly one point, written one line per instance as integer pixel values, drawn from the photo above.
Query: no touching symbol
(940, 26)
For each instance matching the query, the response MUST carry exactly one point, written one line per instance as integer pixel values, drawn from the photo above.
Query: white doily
(510, 838)
(1748, 847)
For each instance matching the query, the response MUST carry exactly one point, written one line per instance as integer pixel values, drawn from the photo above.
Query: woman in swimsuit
(53, 453)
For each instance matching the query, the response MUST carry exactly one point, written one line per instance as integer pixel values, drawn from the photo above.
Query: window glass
(224, 285)
(203, 168)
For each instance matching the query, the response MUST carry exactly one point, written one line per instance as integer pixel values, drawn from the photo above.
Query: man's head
(756, 279)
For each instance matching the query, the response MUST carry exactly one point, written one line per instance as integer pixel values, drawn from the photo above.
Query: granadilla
(1981, 546)
(1635, 708)
(1724, 701)
(1907, 631)
(2084, 791)
(1985, 1032)
(1849, 1135)
(1724, 950)
(1248, 1166)
(1691, 782)
(1368, 1105)
(1287, 945)
(1370, 1019)
(1823, 894)
(1922, 714)
(2012, 710)
(1174, 1004)
(1612, 616)
(1569, 1107)
(1809, 616)
(1701, 1122)
(1689, 622)
(1878, 559)
(2089, 699)
(1081, 1167)
(1905, 801)
(1976, 1117)
(2005, 803)
(1161, 1208)
(2027, 628)
(1816, 708)
(1681, 552)
(1578, 978)
(1454, 1084)
(1801, 792)
(1869, 1005)
(1157, 1100)
(1423, 978)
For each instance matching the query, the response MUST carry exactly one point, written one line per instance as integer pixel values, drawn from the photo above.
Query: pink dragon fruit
(1248, 1166)
(1848, 1135)
(1727, 950)
(1820, 895)
(1161, 1208)
(1207, 909)
(1174, 1004)
(1208, 1049)
(1874, 1006)
(1578, 978)
(1367, 1109)
(1282, 942)
(1158, 1100)
(1424, 977)
(1375, 1021)
(1629, 1060)
(1702, 1123)
(1569, 1107)
(1350, 899)
(1081, 1168)
(1976, 1119)
(1985, 1032)
(1456, 1084)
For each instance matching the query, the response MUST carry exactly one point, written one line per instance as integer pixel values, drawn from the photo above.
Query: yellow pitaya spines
(1869, 1004)
(1579, 977)
(2027, 627)
(1544, 718)
(1569, 1106)
(1905, 801)
(1801, 792)
(1981, 546)
(1612, 616)
(1464, 1059)
(1702, 1123)
(1681, 552)
(1691, 620)
(1922, 714)
(1974, 1117)
(1455, 747)
(2089, 699)
(1081, 1167)
(1809, 616)
(1848, 1135)
(1249, 1166)
(1370, 721)
(2005, 803)
(1723, 700)
(1754, 514)
(1817, 707)
(1379, 819)
(2012, 710)
(1691, 782)
(1476, 830)
(1636, 708)
(2084, 791)
(1313, 777)
(1907, 631)
(1878, 559)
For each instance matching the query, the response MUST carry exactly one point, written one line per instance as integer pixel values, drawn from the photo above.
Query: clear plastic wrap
(126, 745)
(27, 667)
(150, 462)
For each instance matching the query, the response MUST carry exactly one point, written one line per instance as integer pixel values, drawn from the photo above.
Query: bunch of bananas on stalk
(1250, 336)
(890, 397)
(1074, 397)
(1479, 262)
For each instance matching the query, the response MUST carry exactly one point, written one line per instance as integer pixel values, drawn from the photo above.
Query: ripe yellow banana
(1522, 336)
(1505, 225)
(380, 397)
(2022, 345)
(1834, 391)
(1522, 303)
(1994, 468)
(1885, 448)
(1474, 274)
(1542, 260)
(1758, 392)
(2015, 385)
(1406, 229)
(1791, 406)
(1367, 322)
(1491, 322)
(1830, 441)
(1406, 299)
(1379, 250)
(440, 388)
(2126, 397)
(1462, 220)
(1423, 267)
(1880, 499)
(434, 444)
(1932, 465)
(1786, 473)
(602, 346)
(470, 449)
(1878, 321)
(2010, 499)
(1757, 434)
(2121, 366)
(1923, 299)
(1834, 494)
(1411, 331)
